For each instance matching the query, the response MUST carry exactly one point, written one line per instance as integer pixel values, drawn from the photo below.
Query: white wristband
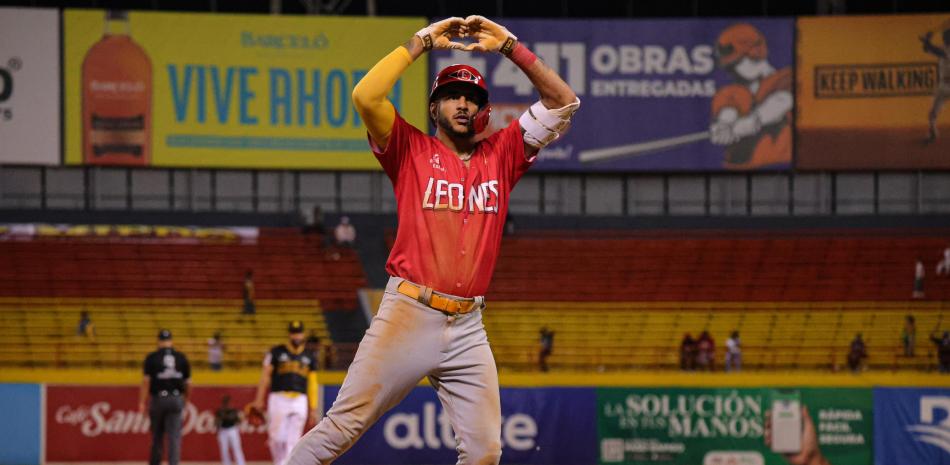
(426, 35)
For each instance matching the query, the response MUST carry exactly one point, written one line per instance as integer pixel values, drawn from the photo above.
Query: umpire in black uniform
(166, 380)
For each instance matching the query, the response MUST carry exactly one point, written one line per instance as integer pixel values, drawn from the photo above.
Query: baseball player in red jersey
(452, 193)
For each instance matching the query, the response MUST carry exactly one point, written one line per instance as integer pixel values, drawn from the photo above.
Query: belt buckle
(426, 296)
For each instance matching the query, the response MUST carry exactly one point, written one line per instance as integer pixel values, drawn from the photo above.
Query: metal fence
(633, 194)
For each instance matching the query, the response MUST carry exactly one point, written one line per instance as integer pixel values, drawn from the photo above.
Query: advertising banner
(728, 426)
(139, 233)
(539, 426)
(872, 92)
(29, 86)
(20, 430)
(911, 426)
(102, 424)
(219, 90)
(675, 94)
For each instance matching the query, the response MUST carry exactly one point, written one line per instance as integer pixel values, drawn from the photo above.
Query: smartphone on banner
(786, 421)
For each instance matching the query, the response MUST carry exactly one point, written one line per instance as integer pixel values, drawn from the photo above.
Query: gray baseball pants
(165, 415)
(405, 342)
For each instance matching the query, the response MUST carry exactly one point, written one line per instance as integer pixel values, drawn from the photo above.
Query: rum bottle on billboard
(116, 98)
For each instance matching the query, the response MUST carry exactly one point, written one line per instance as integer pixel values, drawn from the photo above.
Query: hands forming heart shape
(489, 36)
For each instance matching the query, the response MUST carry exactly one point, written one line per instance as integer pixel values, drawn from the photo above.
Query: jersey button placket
(465, 213)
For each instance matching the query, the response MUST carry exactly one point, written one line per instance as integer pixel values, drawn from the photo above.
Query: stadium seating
(286, 264)
(614, 336)
(775, 335)
(617, 266)
(41, 332)
(624, 299)
(134, 287)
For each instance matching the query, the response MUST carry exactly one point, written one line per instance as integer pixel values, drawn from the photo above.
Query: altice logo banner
(912, 426)
(550, 426)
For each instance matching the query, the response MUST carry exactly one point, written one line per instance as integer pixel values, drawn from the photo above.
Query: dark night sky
(519, 8)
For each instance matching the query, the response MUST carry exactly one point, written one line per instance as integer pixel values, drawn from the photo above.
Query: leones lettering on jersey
(441, 194)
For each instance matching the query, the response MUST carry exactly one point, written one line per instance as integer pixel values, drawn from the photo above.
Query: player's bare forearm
(415, 47)
(143, 391)
(493, 37)
(555, 93)
(263, 386)
(262, 389)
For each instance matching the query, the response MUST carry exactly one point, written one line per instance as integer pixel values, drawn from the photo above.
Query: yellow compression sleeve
(369, 95)
(312, 390)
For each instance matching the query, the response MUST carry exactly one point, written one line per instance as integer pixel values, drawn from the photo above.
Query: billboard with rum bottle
(116, 98)
(226, 90)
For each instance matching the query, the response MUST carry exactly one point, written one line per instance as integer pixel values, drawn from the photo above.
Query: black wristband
(508, 46)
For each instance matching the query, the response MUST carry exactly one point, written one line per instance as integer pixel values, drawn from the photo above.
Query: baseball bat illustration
(640, 148)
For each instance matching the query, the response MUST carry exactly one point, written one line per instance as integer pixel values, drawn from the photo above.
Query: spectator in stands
(215, 352)
(86, 328)
(688, 353)
(227, 419)
(345, 233)
(909, 335)
(857, 353)
(249, 307)
(733, 352)
(918, 279)
(545, 348)
(943, 266)
(943, 350)
(312, 220)
(705, 352)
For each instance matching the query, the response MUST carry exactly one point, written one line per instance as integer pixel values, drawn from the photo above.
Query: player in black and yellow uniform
(290, 375)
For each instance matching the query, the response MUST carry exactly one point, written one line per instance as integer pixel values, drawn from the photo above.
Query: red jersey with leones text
(451, 216)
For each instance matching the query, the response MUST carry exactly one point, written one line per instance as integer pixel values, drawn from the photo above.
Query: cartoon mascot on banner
(752, 117)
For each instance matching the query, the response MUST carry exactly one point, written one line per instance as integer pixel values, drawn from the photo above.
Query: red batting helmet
(739, 41)
(468, 75)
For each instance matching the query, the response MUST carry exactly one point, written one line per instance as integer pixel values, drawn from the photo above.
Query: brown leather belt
(451, 305)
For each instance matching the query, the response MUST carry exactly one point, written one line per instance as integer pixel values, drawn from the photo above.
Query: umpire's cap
(164, 335)
(295, 326)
